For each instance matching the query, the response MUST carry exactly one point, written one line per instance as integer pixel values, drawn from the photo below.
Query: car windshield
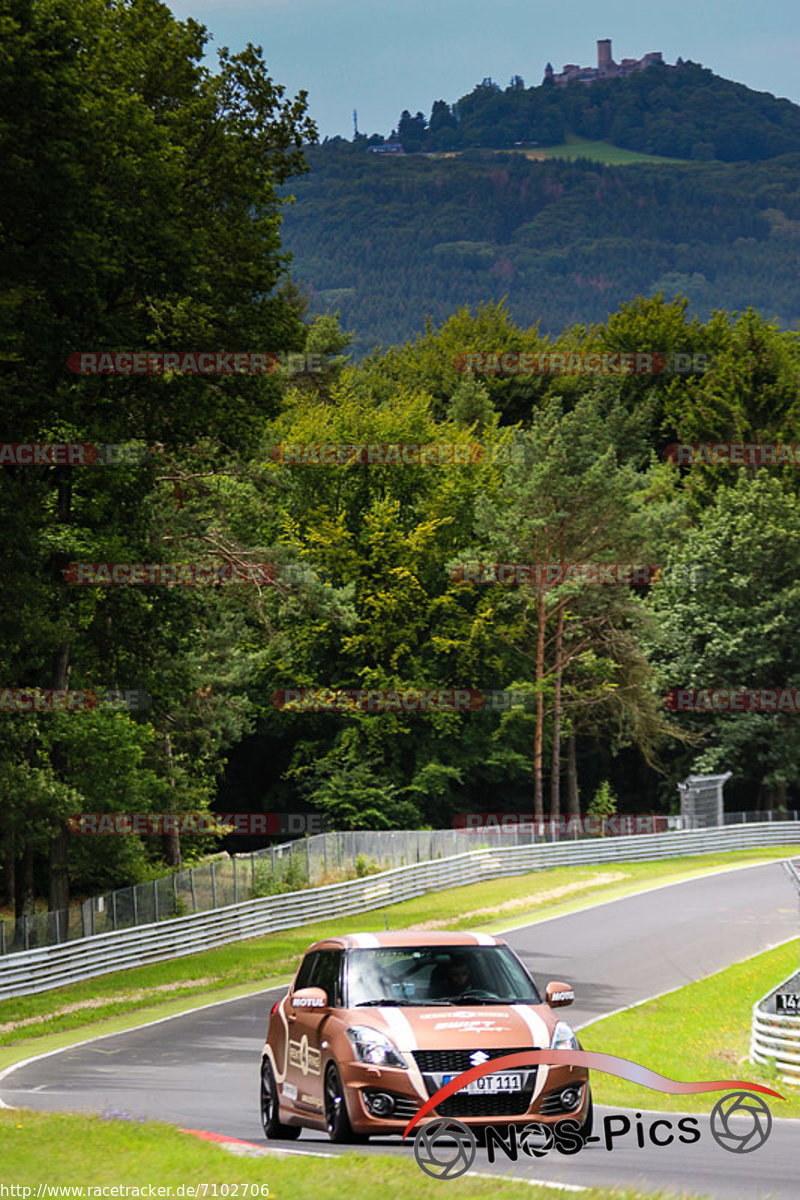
(423, 975)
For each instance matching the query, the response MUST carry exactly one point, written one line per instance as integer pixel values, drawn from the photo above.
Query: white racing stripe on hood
(365, 941)
(405, 1039)
(541, 1041)
(400, 1029)
(484, 939)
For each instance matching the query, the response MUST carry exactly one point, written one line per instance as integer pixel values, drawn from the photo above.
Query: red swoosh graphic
(609, 1064)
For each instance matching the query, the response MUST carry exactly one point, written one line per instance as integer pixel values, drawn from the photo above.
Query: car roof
(411, 938)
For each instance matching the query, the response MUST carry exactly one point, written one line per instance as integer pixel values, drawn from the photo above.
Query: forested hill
(389, 241)
(679, 112)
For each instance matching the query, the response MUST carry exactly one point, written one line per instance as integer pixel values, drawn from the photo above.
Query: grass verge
(110, 1003)
(603, 152)
(701, 1031)
(91, 1151)
(575, 147)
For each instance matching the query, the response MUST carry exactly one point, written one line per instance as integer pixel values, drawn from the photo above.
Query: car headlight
(564, 1038)
(370, 1046)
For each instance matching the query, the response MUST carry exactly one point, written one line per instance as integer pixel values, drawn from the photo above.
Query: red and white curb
(248, 1149)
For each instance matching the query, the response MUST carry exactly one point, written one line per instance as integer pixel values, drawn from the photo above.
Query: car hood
(484, 1026)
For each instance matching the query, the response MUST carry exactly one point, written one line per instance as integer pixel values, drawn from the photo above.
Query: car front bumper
(363, 1083)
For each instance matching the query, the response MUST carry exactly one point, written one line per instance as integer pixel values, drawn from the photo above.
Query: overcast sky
(381, 56)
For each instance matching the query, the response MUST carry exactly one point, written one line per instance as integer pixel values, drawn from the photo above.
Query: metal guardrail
(325, 858)
(229, 879)
(775, 1037)
(52, 966)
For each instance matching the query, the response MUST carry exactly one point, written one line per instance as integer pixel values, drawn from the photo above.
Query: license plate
(489, 1084)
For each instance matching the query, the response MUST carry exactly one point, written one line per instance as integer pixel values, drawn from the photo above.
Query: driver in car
(452, 978)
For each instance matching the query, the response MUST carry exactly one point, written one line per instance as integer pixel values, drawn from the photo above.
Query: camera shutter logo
(536, 1140)
(747, 1137)
(445, 1149)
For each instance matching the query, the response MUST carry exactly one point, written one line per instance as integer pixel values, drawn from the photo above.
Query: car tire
(273, 1128)
(337, 1119)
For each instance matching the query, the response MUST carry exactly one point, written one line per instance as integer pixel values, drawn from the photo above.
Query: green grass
(701, 1031)
(125, 998)
(574, 147)
(91, 1151)
(603, 152)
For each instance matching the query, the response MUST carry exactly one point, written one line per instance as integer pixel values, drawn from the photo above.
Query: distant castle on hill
(606, 67)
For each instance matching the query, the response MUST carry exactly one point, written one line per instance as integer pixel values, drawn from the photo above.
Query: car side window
(328, 975)
(306, 972)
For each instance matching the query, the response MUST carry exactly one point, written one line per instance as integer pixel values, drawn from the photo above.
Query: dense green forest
(680, 112)
(390, 242)
(177, 249)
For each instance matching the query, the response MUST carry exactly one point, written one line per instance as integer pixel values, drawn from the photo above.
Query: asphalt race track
(200, 1070)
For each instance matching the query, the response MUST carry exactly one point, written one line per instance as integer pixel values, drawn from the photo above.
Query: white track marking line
(547, 1183)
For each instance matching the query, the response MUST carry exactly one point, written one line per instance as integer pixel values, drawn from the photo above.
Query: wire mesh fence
(306, 862)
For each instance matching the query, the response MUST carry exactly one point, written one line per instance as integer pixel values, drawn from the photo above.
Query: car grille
(434, 1064)
(456, 1061)
(497, 1104)
(405, 1108)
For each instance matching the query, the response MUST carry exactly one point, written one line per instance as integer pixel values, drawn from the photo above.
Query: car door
(306, 1032)
(284, 1049)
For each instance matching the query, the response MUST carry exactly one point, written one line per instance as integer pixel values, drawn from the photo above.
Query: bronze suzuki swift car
(374, 1024)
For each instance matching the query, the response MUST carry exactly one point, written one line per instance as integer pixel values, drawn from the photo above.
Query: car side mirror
(309, 997)
(558, 994)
